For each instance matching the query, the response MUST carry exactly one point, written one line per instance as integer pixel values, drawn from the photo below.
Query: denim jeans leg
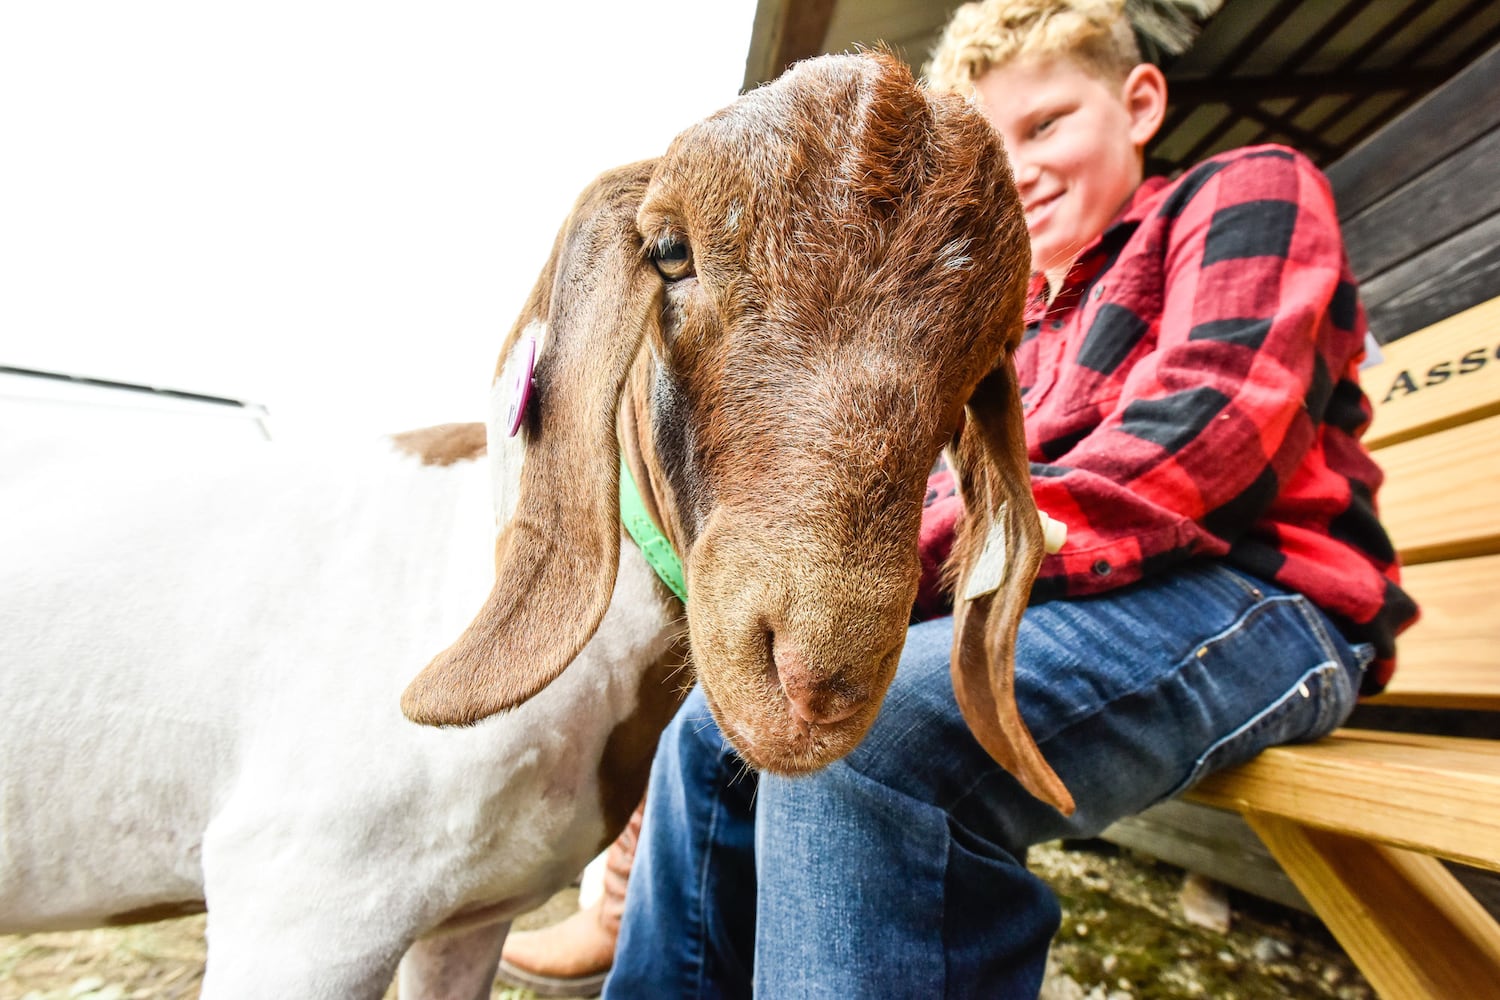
(689, 923)
(899, 870)
(864, 891)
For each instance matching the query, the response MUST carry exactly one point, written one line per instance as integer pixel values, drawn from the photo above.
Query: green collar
(648, 537)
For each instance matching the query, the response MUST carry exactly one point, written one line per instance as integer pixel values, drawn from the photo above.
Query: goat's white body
(202, 665)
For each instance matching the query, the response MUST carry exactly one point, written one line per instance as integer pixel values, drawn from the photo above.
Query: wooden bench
(1359, 820)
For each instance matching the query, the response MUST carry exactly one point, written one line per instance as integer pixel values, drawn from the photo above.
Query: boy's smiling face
(1076, 144)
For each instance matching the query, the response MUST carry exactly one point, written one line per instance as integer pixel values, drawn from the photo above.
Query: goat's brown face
(827, 276)
(843, 260)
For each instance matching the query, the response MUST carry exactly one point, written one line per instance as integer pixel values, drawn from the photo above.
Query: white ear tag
(984, 578)
(989, 568)
(1054, 534)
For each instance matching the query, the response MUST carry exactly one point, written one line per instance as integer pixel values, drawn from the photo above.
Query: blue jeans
(900, 870)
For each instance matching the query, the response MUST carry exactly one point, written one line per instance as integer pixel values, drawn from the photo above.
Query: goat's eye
(673, 257)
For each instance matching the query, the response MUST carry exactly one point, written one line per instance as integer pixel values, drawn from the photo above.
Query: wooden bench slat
(1390, 743)
(1406, 406)
(1438, 795)
(1439, 498)
(1448, 659)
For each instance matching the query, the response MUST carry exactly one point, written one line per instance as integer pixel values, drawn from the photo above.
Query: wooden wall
(1420, 205)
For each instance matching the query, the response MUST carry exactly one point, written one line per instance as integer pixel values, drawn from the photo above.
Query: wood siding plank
(1453, 195)
(1427, 133)
(1444, 279)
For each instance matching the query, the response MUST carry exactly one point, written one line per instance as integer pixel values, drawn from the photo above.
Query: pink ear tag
(516, 380)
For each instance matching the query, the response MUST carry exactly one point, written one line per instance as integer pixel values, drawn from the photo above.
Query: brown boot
(571, 958)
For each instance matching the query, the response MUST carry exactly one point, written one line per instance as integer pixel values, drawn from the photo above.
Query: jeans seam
(1308, 679)
(1241, 579)
(1332, 647)
(1158, 680)
(701, 958)
(1337, 658)
(1265, 602)
(943, 930)
(1259, 599)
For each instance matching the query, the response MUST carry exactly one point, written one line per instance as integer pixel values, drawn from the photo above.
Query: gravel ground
(1124, 937)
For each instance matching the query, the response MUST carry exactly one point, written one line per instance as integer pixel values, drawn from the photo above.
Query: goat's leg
(300, 934)
(456, 966)
(306, 959)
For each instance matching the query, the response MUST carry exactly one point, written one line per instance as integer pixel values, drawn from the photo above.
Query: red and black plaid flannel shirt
(1192, 391)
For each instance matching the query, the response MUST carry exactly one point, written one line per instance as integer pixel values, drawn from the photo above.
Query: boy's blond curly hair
(1103, 36)
(989, 33)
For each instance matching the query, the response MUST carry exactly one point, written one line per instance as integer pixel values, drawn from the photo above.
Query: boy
(1193, 416)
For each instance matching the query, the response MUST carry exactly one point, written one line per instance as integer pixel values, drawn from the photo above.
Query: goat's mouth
(770, 734)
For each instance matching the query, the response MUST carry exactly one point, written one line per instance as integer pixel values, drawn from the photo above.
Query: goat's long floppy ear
(557, 557)
(999, 550)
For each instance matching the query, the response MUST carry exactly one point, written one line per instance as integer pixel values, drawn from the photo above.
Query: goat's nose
(822, 701)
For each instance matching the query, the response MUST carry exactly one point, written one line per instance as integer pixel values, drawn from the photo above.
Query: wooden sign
(1444, 375)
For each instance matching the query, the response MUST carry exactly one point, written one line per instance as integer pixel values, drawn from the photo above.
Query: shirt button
(1102, 568)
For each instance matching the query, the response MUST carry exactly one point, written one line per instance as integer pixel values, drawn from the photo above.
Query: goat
(776, 327)
(203, 662)
(790, 314)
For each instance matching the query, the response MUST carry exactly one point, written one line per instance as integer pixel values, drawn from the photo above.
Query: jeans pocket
(1314, 706)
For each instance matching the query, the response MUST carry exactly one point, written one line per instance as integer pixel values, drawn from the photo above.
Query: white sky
(331, 207)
